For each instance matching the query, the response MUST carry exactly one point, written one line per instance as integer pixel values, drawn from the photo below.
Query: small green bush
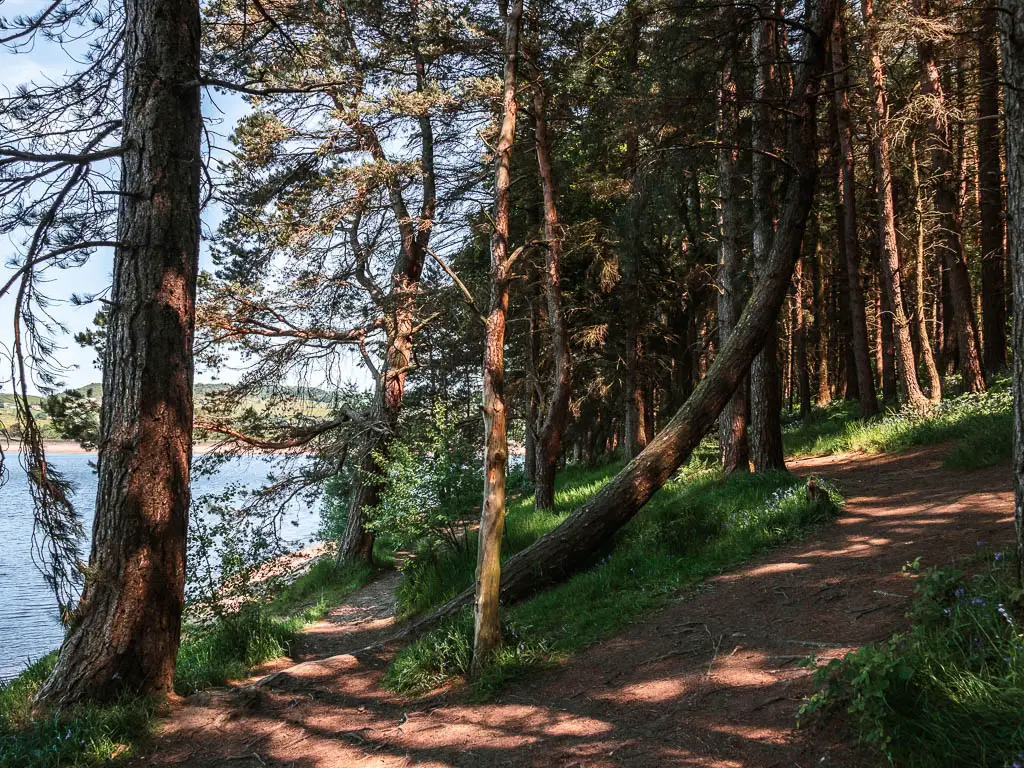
(948, 692)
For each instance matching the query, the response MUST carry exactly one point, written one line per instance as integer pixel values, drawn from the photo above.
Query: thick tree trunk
(990, 196)
(924, 341)
(1011, 23)
(888, 254)
(549, 439)
(572, 544)
(126, 634)
(486, 625)
(950, 241)
(846, 194)
(732, 423)
(766, 451)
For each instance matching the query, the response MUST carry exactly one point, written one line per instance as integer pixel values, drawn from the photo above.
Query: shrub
(950, 690)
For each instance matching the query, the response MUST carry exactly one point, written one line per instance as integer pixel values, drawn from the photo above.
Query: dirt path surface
(709, 681)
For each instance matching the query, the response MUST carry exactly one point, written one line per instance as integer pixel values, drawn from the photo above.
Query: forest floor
(712, 680)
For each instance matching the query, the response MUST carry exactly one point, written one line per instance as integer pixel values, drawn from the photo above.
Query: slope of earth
(712, 680)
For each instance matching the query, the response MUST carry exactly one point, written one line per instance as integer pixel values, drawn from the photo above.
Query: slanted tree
(574, 542)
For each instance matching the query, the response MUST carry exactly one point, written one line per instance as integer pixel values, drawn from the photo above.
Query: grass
(948, 692)
(211, 654)
(697, 525)
(980, 427)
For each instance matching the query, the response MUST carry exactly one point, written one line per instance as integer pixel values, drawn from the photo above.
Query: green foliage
(435, 575)
(82, 736)
(75, 415)
(697, 525)
(431, 486)
(981, 425)
(948, 692)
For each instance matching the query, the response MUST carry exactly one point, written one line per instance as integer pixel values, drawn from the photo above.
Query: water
(29, 626)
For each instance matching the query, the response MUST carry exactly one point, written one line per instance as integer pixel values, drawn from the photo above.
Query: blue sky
(47, 61)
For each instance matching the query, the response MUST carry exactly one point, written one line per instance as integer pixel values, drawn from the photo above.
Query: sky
(222, 112)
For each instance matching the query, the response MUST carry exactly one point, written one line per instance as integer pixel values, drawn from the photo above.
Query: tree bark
(732, 423)
(821, 327)
(888, 250)
(766, 451)
(549, 439)
(486, 624)
(950, 241)
(846, 193)
(574, 542)
(990, 196)
(125, 636)
(1011, 25)
(803, 374)
(356, 545)
(924, 340)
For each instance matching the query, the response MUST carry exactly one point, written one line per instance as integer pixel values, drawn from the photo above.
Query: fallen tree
(572, 545)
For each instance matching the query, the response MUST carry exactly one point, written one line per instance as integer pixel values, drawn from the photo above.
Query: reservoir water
(29, 626)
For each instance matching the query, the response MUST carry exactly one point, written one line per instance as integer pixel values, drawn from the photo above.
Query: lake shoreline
(71, 447)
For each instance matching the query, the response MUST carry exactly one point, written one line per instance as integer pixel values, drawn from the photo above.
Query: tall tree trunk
(732, 423)
(126, 633)
(549, 439)
(1011, 24)
(532, 398)
(573, 544)
(803, 375)
(821, 327)
(950, 241)
(765, 435)
(486, 625)
(846, 193)
(924, 341)
(888, 252)
(990, 196)
(356, 545)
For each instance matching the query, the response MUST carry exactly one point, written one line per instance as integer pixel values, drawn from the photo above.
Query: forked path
(712, 680)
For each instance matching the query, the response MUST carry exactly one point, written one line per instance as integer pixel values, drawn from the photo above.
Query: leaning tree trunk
(126, 634)
(549, 440)
(486, 625)
(765, 435)
(889, 255)
(846, 192)
(1011, 23)
(732, 423)
(573, 544)
(950, 241)
(990, 196)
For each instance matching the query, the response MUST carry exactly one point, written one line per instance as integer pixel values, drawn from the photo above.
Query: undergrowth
(949, 691)
(980, 425)
(697, 525)
(211, 654)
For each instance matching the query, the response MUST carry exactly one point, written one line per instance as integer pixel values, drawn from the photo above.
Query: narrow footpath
(712, 680)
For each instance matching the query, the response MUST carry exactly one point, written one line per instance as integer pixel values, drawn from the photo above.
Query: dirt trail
(709, 681)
